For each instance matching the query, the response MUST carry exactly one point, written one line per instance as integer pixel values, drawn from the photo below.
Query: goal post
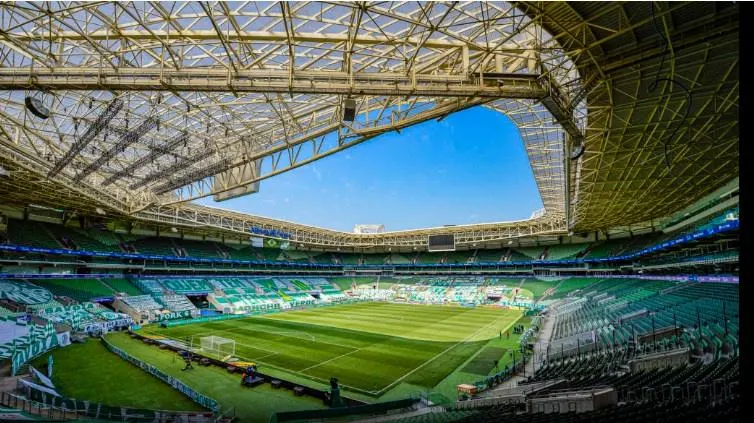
(217, 347)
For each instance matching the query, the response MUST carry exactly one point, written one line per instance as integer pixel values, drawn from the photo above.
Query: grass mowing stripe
(439, 325)
(332, 359)
(89, 371)
(315, 338)
(438, 355)
(484, 361)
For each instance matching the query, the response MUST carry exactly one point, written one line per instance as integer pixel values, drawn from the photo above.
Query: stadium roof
(149, 101)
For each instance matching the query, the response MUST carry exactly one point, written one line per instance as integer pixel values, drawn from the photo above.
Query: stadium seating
(121, 286)
(398, 259)
(294, 255)
(30, 233)
(201, 249)
(515, 255)
(648, 411)
(531, 253)
(490, 256)
(81, 290)
(177, 303)
(564, 251)
(49, 235)
(266, 254)
(141, 303)
(107, 239)
(148, 285)
(155, 246)
(179, 286)
(619, 309)
(80, 241)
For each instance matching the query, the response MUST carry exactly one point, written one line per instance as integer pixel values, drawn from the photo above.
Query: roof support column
(465, 58)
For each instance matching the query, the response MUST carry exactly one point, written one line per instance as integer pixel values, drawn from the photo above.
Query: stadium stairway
(543, 339)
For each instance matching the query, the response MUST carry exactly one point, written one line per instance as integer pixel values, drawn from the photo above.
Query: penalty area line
(331, 359)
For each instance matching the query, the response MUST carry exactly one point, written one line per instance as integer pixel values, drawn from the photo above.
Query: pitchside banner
(181, 387)
(208, 319)
(184, 314)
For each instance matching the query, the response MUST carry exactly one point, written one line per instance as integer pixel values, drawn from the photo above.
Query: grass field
(90, 372)
(369, 347)
(253, 405)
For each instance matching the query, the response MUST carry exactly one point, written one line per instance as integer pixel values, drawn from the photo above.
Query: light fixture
(577, 152)
(349, 110)
(36, 107)
(92, 131)
(124, 142)
(99, 211)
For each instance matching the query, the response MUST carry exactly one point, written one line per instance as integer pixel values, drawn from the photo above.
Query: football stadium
(174, 246)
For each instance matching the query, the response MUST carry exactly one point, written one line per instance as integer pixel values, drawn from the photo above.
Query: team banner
(173, 315)
(40, 388)
(181, 387)
(41, 377)
(39, 340)
(61, 309)
(94, 327)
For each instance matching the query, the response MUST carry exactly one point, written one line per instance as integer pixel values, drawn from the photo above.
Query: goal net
(217, 347)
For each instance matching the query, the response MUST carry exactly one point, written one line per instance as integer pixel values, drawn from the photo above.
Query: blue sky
(469, 168)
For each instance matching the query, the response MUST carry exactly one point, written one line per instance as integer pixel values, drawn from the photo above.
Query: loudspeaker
(577, 151)
(349, 109)
(36, 107)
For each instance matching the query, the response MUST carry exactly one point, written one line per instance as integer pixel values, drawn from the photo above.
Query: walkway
(543, 339)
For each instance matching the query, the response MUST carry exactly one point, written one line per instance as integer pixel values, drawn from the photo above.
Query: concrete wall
(579, 402)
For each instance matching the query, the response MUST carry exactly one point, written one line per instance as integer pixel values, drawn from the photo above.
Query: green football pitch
(369, 347)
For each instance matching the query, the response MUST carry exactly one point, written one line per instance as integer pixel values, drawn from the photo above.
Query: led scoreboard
(445, 242)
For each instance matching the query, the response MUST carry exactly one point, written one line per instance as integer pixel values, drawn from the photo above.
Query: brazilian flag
(271, 243)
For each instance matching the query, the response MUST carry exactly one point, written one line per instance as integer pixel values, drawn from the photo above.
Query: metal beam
(157, 151)
(199, 186)
(200, 217)
(272, 81)
(91, 132)
(129, 138)
(194, 35)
